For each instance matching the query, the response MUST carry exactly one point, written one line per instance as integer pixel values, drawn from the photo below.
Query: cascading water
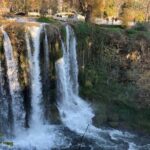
(39, 136)
(4, 103)
(75, 113)
(45, 73)
(72, 108)
(46, 51)
(72, 58)
(36, 94)
(12, 73)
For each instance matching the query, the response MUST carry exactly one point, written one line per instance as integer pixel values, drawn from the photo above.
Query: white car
(67, 16)
(80, 17)
(34, 14)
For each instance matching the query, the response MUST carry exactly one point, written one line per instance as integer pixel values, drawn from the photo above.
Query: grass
(47, 20)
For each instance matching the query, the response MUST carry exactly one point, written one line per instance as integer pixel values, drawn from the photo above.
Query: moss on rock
(111, 65)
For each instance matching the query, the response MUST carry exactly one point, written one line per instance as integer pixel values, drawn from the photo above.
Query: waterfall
(75, 113)
(36, 94)
(46, 54)
(12, 73)
(71, 54)
(39, 136)
(4, 104)
(45, 73)
(71, 107)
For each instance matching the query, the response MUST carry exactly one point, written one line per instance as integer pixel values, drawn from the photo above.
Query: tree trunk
(147, 12)
(88, 17)
(87, 11)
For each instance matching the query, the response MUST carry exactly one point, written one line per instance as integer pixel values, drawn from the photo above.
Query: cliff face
(17, 34)
(115, 73)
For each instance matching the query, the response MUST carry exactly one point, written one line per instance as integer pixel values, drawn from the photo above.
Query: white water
(36, 93)
(46, 51)
(72, 58)
(45, 138)
(3, 101)
(12, 72)
(76, 114)
(4, 106)
(4, 109)
(72, 108)
(38, 136)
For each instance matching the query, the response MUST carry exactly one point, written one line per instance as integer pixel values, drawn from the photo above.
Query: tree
(111, 8)
(18, 6)
(33, 5)
(92, 8)
(127, 13)
(99, 8)
(43, 8)
(147, 11)
(4, 6)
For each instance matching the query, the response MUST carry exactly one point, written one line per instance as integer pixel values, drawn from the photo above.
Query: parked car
(66, 16)
(20, 13)
(80, 17)
(34, 14)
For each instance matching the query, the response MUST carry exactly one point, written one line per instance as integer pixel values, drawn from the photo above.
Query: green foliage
(141, 30)
(83, 30)
(99, 76)
(141, 27)
(63, 33)
(105, 88)
(46, 20)
(131, 31)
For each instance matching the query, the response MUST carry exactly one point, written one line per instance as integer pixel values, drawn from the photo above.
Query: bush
(141, 27)
(46, 20)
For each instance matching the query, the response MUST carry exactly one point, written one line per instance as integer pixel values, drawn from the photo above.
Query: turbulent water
(76, 130)
(71, 107)
(14, 87)
(4, 103)
(36, 93)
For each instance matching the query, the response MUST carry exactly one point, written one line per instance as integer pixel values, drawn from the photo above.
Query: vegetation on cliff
(114, 73)
(113, 70)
